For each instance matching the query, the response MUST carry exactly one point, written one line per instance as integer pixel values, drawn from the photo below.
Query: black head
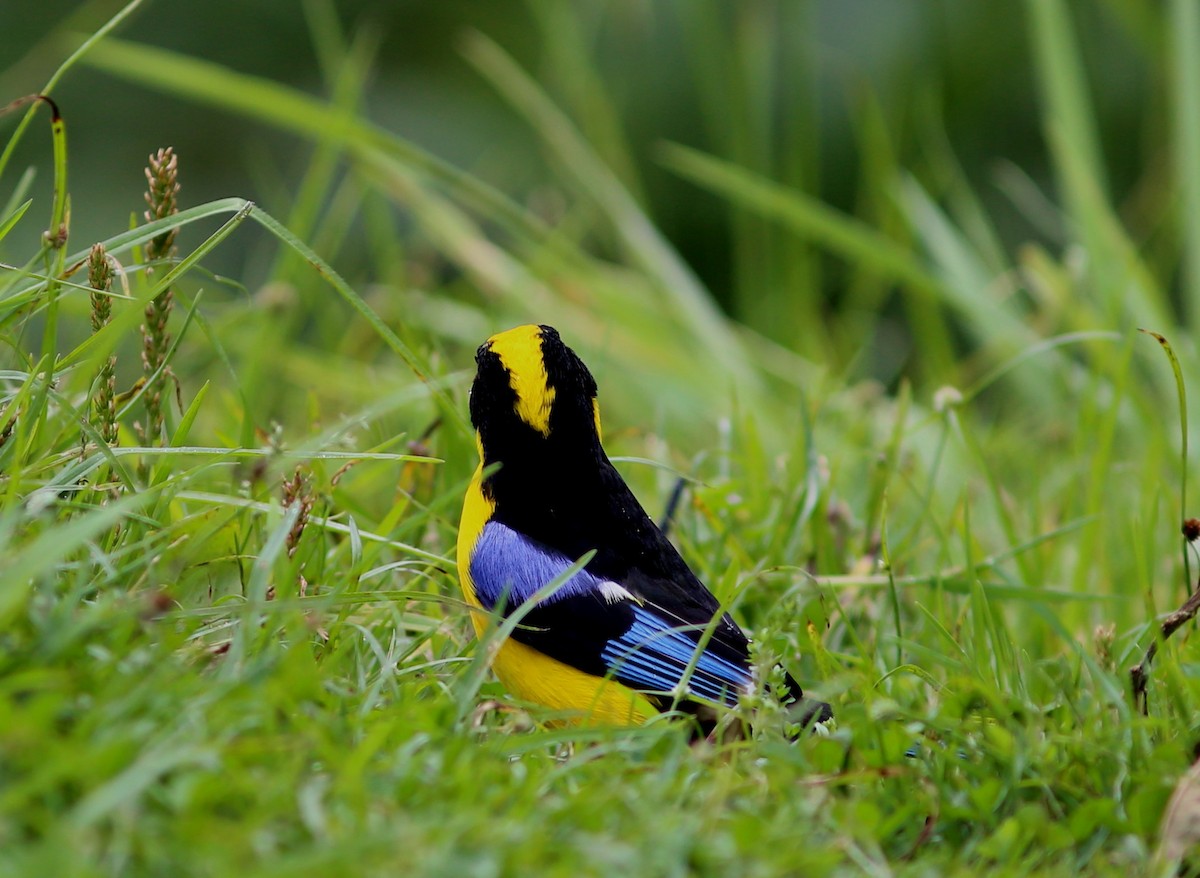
(532, 395)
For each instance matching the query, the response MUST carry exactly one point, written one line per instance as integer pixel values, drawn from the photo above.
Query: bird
(633, 632)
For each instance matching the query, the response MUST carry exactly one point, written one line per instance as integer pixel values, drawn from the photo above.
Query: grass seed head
(104, 397)
(162, 176)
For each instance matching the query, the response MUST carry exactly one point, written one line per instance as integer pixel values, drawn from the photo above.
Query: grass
(240, 648)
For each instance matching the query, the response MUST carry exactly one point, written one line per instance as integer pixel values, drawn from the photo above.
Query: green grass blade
(13, 218)
(1181, 396)
(1184, 29)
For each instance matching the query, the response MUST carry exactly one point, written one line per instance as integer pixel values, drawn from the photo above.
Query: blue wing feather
(653, 654)
(649, 652)
(504, 559)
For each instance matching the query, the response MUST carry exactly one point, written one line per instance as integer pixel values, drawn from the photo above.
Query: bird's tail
(805, 711)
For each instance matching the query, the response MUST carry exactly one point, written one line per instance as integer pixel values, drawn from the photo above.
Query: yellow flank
(596, 415)
(477, 509)
(533, 676)
(520, 351)
(527, 673)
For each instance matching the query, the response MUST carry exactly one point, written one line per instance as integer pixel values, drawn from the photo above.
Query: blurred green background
(831, 98)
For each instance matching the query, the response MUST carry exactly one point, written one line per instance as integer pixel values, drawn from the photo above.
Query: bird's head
(531, 391)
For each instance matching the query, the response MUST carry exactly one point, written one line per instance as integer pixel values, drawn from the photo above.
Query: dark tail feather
(810, 713)
(806, 712)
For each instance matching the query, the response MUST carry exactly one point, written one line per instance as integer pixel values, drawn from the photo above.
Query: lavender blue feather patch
(504, 559)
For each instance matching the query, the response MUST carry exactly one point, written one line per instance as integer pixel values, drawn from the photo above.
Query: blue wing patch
(654, 655)
(503, 559)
